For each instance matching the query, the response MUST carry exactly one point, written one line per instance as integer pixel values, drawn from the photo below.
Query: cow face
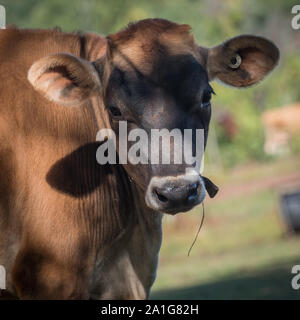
(154, 76)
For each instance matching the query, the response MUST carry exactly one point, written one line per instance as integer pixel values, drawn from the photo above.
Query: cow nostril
(193, 190)
(161, 197)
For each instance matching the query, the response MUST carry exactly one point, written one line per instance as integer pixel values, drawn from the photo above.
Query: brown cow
(69, 227)
(281, 124)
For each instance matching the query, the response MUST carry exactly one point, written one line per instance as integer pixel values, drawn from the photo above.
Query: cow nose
(186, 193)
(173, 195)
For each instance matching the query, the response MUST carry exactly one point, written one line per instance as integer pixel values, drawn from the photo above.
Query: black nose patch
(210, 187)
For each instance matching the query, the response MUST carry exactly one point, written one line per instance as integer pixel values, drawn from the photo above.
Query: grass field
(242, 251)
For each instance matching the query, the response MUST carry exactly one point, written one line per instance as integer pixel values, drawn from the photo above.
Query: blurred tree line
(212, 22)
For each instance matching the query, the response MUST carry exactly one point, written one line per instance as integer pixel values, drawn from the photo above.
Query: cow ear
(242, 61)
(64, 78)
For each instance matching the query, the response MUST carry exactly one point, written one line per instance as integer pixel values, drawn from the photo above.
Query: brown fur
(55, 218)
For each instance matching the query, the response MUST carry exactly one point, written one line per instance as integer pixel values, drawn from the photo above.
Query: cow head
(155, 76)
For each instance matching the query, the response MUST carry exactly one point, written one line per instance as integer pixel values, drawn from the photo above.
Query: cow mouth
(179, 210)
(173, 208)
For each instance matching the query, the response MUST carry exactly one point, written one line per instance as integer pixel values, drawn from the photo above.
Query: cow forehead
(143, 44)
(162, 66)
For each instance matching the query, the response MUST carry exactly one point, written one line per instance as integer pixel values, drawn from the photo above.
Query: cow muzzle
(175, 194)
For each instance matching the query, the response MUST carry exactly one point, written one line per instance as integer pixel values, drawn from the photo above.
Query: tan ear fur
(64, 78)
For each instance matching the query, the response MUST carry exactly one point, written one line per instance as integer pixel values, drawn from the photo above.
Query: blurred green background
(243, 251)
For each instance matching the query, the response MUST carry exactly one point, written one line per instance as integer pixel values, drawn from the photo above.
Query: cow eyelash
(206, 97)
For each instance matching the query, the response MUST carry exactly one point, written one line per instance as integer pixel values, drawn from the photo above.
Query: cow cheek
(139, 174)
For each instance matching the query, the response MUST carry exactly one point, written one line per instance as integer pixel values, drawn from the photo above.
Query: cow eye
(114, 111)
(206, 99)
